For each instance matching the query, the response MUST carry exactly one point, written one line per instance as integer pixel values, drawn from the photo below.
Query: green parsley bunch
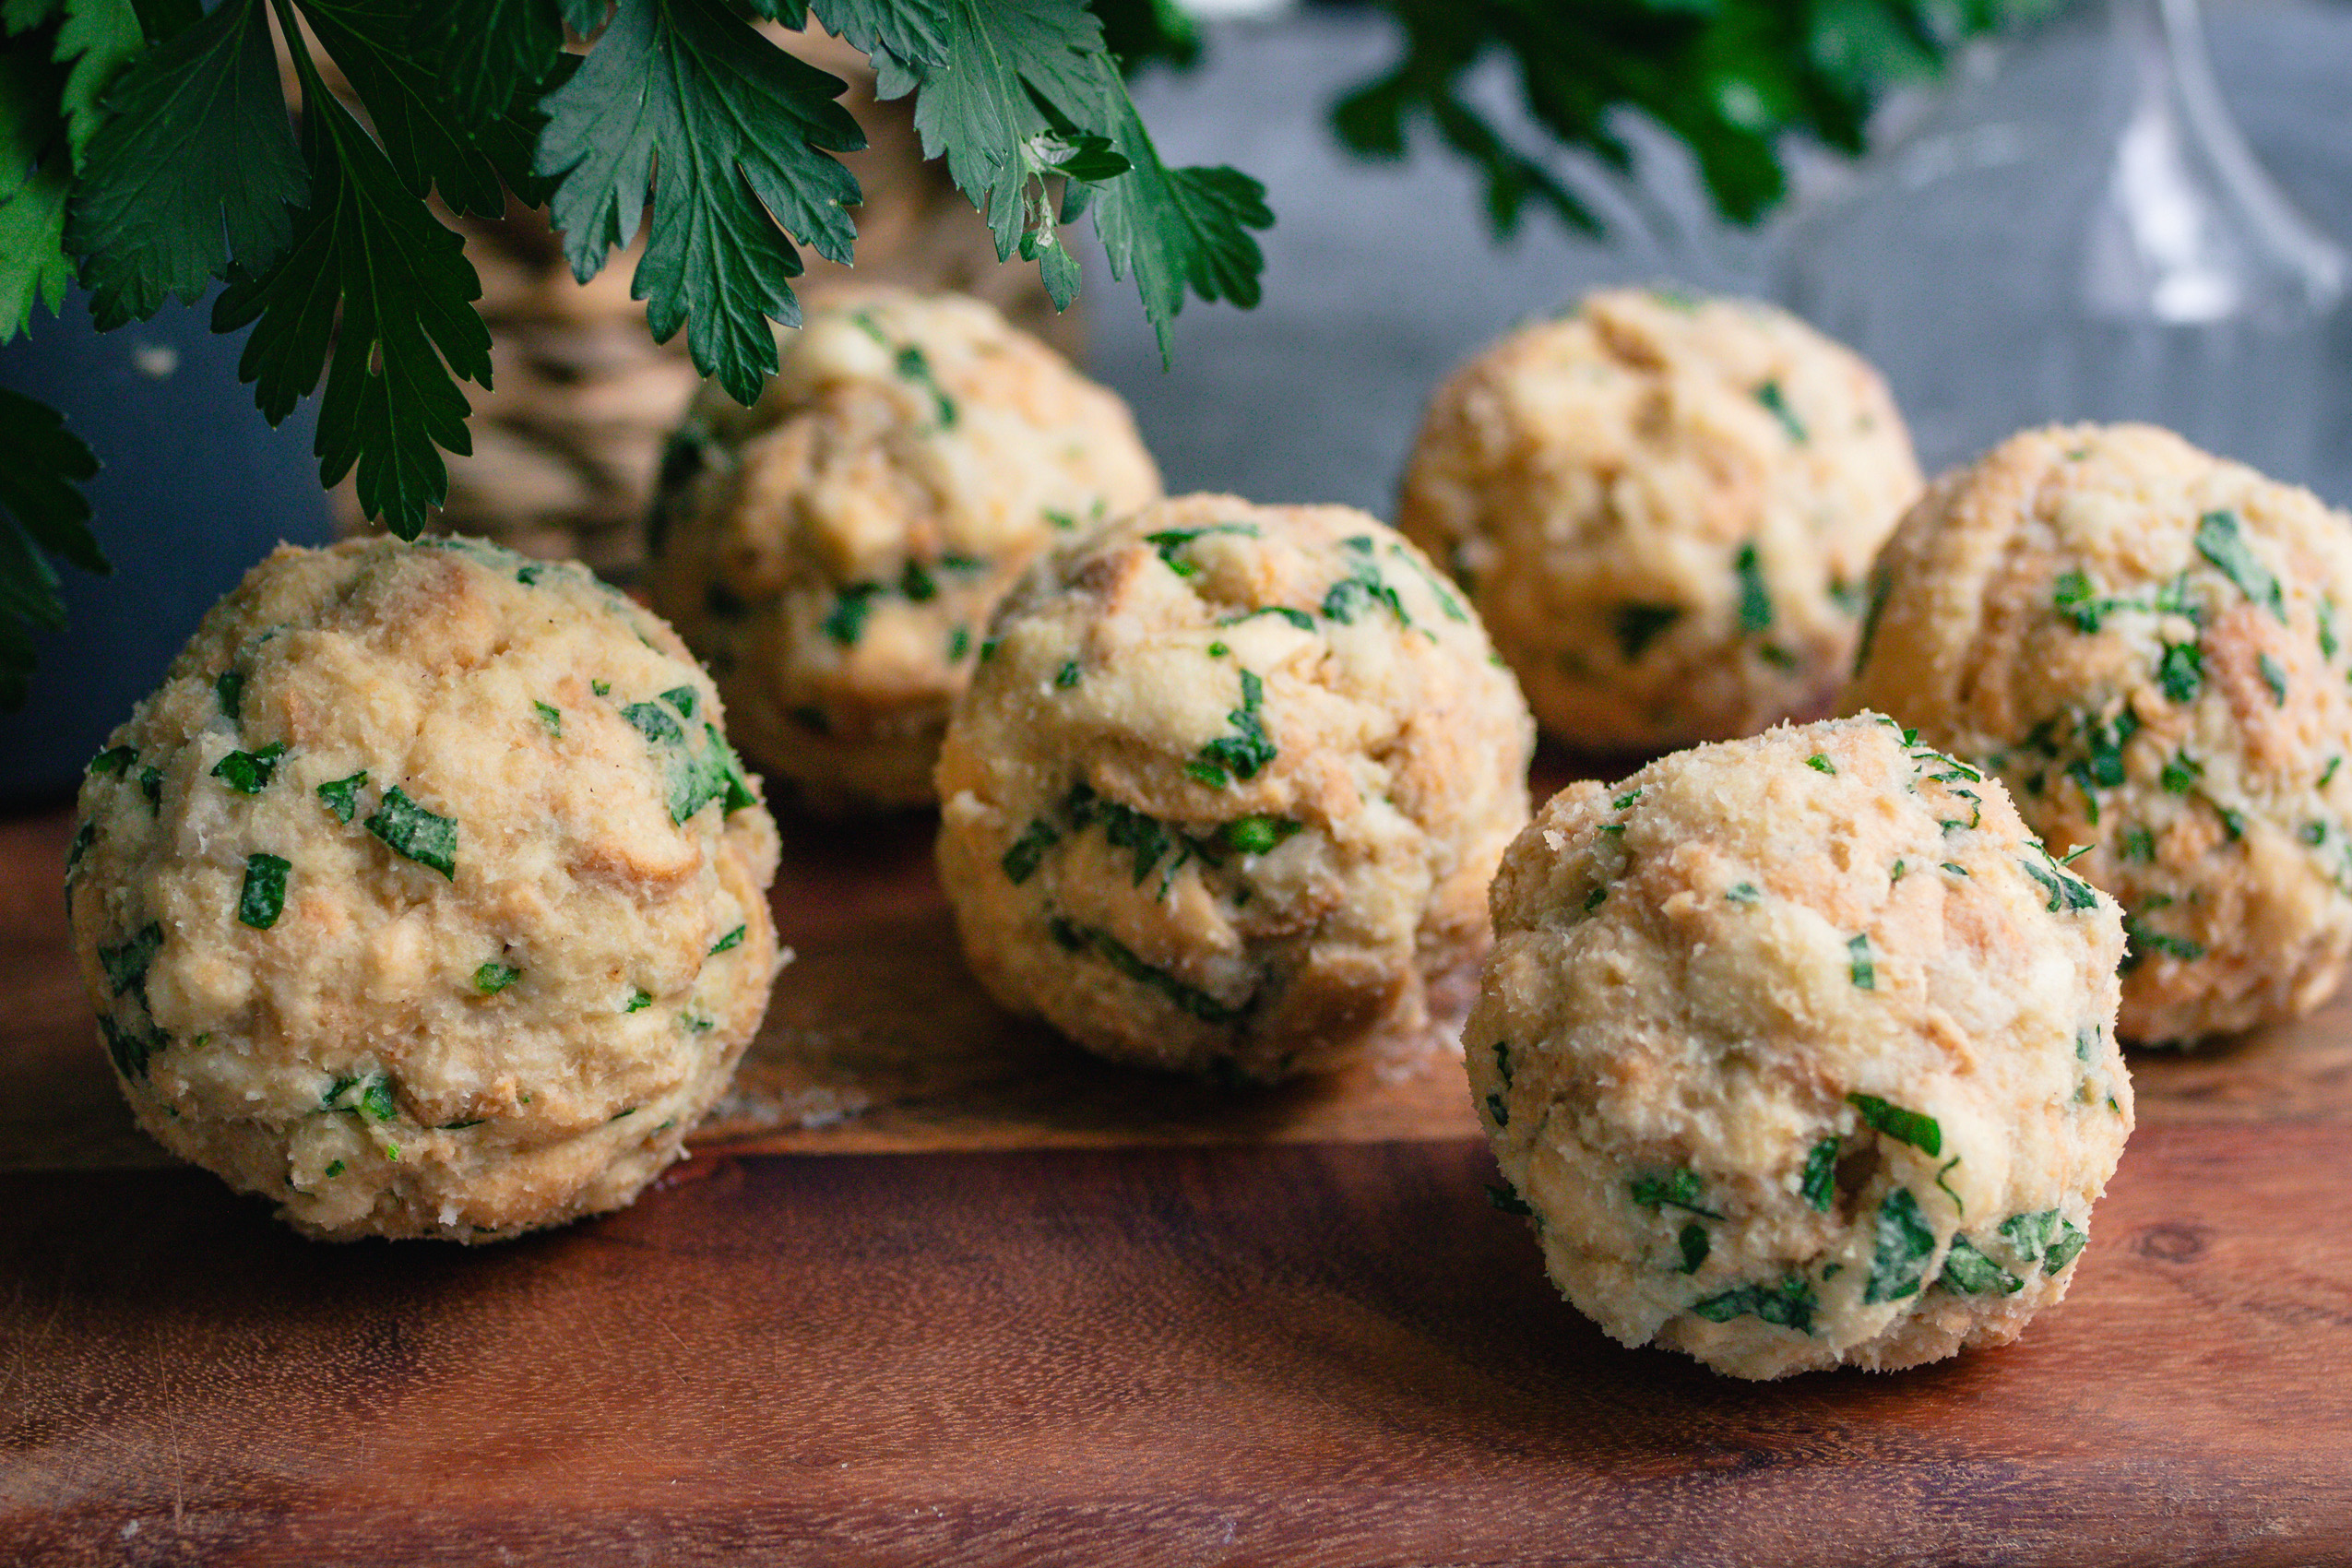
(146, 150)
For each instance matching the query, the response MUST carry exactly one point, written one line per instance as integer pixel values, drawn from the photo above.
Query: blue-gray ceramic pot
(195, 490)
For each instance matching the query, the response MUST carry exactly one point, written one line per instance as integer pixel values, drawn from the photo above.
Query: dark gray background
(1379, 278)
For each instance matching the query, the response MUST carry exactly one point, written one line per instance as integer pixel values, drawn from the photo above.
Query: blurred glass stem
(2081, 232)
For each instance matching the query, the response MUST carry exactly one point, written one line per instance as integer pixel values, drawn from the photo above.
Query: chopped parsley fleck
(1675, 1189)
(2313, 833)
(959, 643)
(914, 366)
(249, 773)
(529, 575)
(681, 698)
(1863, 972)
(716, 774)
(1256, 835)
(1187, 998)
(126, 966)
(1218, 650)
(1449, 606)
(409, 829)
(1922, 1133)
(1625, 799)
(1638, 626)
(1596, 898)
(2065, 892)
(639, 999)
(1967, 1272)
(2047, 1238)
(493, 977)
(2180, 670)
(2106, 741)
(1742, 893)
(2069, 589)
(1755, 599)
(1298, 618)
(263, 897)
(2221, 540)
(553, 718)
(1169, 540)
(2076, 853)
(2274, 677)
(1362, 586)
(2139, 940)
(1820, 1182)
(1247, 751)
(1504, 1197)
(1771, 396)
(113, 761)
(130, 1049)
(335, 1167)
(1904, 1242)
(917, 583)
(461, 1126)
(1787, 1304)
(1061, 520)
(2063, 1249)
(1820, 763)
(2327, 773)
(1028, 852)
(653, 721)
(343, 795)
(84, 837)
(846, 622)
(733, 939)
(1956, 868)
(151, 785)
(602, 688)
(2181, 775)
(1067, 676)
(370, 1094)
(1692, 1240)
(229, 688)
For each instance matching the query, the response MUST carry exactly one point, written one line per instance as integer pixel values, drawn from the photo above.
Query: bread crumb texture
(424, 898)
(1663, 506)
(2149, 645)
(1227, 790)
(833, 552)
(1799, 1052)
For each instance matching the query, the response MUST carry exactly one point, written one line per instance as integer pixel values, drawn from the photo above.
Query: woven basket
(567, 442)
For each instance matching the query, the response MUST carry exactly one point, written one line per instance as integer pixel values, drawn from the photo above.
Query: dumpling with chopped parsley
(1227, 789)
(1664, 508)
(1800, 1051)
(2147, 643)
(424, 898)
(833, 552)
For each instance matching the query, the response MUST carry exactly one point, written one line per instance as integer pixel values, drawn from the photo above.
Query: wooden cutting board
(939, 1289)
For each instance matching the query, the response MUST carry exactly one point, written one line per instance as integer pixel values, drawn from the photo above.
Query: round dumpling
(1227, 790)
(424, 898)
(1800, 1051)
(1664, 508)
(833, 552)
(2148, 645)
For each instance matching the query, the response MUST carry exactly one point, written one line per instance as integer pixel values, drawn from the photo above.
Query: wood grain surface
(940, 1289)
